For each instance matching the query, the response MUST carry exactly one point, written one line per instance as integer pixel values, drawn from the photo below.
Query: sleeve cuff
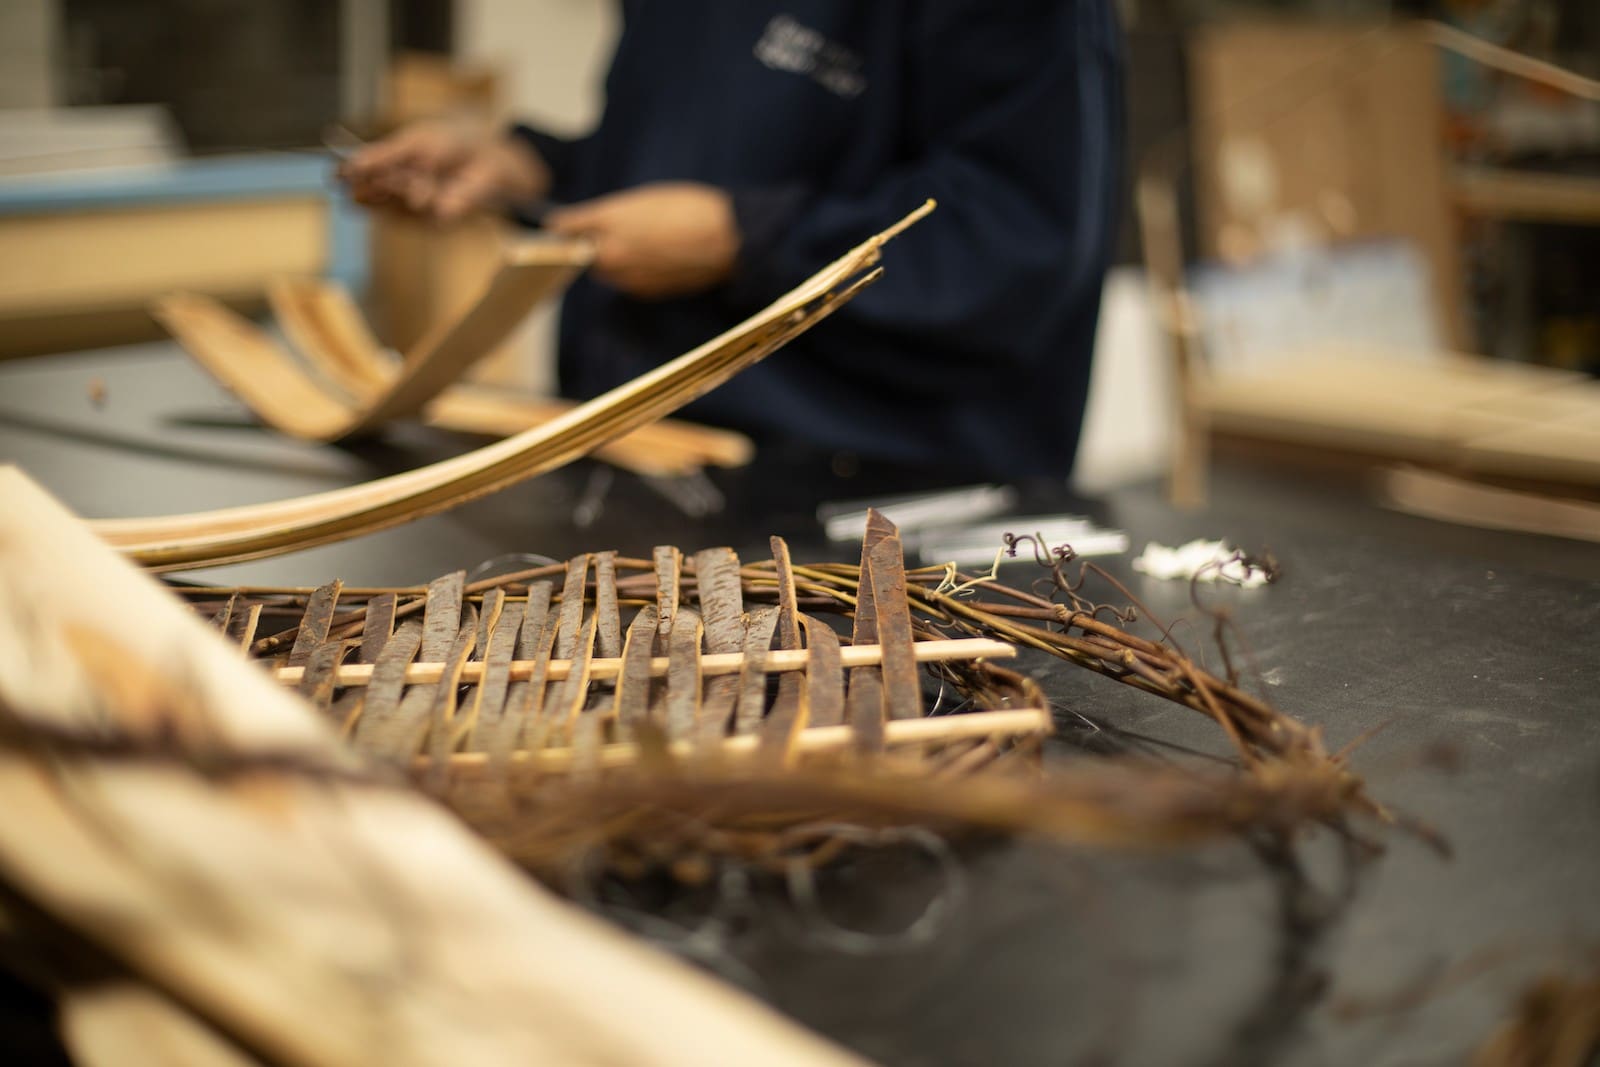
(556, 153)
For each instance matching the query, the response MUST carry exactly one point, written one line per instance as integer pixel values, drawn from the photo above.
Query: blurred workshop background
(1354, 228)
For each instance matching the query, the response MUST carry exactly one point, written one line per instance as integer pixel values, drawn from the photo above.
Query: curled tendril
(1056, 559)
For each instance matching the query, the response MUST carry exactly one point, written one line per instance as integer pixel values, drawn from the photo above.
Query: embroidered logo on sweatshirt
(787, 45)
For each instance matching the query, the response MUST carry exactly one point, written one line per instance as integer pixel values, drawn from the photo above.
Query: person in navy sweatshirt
(745, 144)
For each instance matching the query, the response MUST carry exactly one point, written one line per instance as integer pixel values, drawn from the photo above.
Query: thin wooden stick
(711, 664)
(818, 740)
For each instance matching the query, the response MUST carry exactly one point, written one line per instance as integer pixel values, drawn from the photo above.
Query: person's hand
(443, 171)
(658, 240)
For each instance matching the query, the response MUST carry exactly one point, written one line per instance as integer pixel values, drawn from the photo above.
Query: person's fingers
(394, 151)
(472, 188)
(587, 217)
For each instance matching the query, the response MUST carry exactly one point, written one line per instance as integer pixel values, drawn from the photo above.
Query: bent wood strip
(324, 325)
(263, 903)
(257, 531)
(712, 665)
(531, 271)
(278, 391)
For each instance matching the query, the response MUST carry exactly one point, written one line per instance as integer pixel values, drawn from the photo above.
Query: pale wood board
(314, 916)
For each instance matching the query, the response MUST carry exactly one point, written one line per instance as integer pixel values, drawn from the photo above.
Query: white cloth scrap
(1199, 557)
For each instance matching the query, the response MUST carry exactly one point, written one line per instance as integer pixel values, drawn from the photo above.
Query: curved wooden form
(272, 383)
(256, 531)
(278, 391)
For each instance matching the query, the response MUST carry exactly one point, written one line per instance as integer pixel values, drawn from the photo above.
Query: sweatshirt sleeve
(558, 154)
(1015, 129)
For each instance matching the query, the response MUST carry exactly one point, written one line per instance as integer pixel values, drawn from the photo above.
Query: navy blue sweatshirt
(827, 120)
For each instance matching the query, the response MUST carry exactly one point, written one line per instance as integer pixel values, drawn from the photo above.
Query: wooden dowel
(817, 740)
(710, 665)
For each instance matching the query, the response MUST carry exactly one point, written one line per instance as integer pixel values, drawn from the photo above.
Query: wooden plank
(302, 856)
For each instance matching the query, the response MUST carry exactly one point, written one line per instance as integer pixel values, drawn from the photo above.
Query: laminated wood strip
(324, 325)
(327, 329)
(722, 609)
(315, 622)
(667, 447)
(280, 392)
(572, 593)
(384, 694)
(753, 672)
(824, 674)
(682, 702)
(256, 531)
(633, 681)
(377, 627)
(902, 685)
